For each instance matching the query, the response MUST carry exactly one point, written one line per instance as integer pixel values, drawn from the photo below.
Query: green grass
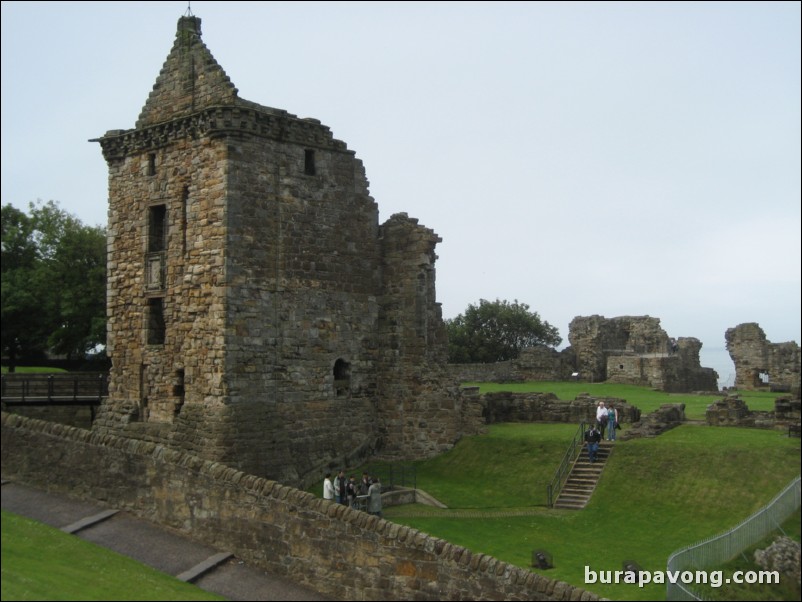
(647, 400)
(487, 471)
(43, 563)
(657, 495)
(32, 370)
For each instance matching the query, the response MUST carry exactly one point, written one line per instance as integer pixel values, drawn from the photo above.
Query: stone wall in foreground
(342, 552)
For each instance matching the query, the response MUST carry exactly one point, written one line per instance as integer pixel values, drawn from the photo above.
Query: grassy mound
(656, 495)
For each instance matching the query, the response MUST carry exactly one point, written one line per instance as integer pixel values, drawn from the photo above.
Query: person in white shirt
(328, 488)
(601, 417)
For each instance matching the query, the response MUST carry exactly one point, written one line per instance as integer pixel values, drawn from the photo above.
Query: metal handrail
(395, 475)
(74, 389)
(553, 489)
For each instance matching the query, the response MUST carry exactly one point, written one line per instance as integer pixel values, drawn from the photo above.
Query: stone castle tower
(258, 313)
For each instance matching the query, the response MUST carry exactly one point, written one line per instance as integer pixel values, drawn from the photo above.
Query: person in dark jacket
(592, 438)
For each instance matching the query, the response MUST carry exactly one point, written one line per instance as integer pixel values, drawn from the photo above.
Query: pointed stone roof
(190, 80)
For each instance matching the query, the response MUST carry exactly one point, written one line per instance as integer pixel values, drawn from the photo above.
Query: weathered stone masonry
(345, 553)
(259, 315)
(760, 363)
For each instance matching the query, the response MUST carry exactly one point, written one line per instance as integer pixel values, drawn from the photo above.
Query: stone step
(573, 495)
(579, 487)
(582, 481)
(569, 505)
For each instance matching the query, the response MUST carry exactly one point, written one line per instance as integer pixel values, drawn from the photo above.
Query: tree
(497, 331)
(53, 283)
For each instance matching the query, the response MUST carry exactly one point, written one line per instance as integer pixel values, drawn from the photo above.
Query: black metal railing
(50, 389)
(574, 448)
(394, 475)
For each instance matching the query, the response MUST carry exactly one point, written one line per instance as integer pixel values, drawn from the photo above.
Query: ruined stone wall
(340, 551)
(302, 303)
(676, 372)
(733, 411)
(505, 406)
(533, 364)
(419, 405)
(760, 363)
(636, 350)
(593, 338)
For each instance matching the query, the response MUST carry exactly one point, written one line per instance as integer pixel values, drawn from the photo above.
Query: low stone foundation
(545, 407)
(733, 411)
(665, 418)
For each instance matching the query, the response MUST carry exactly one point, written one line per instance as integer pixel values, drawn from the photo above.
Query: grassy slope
(42, 563)
(656, 496)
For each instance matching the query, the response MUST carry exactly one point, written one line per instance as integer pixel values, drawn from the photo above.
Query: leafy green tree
(53, 283)
(496, 331)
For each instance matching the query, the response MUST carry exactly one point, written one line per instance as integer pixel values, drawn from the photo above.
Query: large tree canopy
(496, 331)
(53, 283)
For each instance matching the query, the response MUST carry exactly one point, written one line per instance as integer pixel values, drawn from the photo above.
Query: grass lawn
(43, 563)
(656, 495)
(32, 370)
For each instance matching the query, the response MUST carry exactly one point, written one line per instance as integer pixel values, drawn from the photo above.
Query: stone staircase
(582, 480)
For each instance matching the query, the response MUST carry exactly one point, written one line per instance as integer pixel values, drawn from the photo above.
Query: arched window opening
(342, 377)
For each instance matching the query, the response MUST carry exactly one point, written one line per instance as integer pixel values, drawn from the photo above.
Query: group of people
(349, 492)
(606, 419)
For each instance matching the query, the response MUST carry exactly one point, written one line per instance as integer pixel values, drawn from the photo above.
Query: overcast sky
(583, 158)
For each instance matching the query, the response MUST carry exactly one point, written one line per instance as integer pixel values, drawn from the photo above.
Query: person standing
(592, 438)
(339, 488)
(375, 500)
(612, 422)
(350, 490)
(328, 488)
(364, 484)
(601, 417)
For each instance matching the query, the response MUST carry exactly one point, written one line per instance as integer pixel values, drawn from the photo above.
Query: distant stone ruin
(636, 350)
(761, 364)
(630, 350)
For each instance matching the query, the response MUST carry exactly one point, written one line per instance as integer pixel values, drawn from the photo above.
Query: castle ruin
(636, 350)
(760, 363)
(258, 313)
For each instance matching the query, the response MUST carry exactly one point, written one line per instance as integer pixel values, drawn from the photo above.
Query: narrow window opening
(157, 228)
(152, 164)
(309, 162)
(143, 393)
(178, 391)
(156, 325)
(342, 377)
(157, 243)
(184, 220)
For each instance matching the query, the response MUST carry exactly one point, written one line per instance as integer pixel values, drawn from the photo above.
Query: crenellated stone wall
(760, 363)
(340, 551)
